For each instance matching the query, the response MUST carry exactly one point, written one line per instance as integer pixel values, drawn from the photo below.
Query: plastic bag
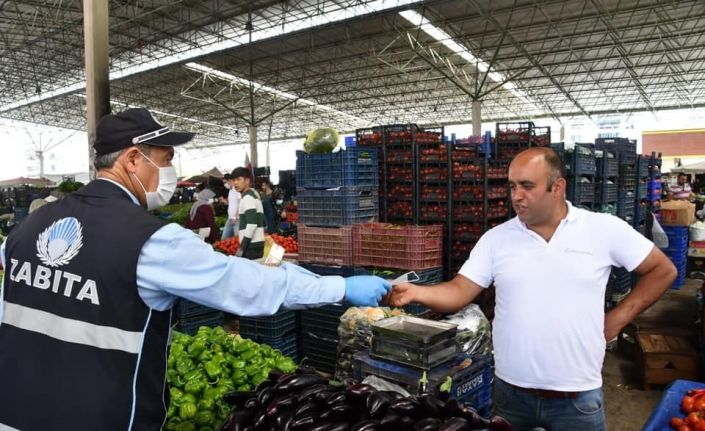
(658, 234)
(383, 385)
(355, 334)
(323, 140)
(474, 331)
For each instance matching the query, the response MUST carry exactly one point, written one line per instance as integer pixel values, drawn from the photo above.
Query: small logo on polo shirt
(60, 242)
(572, 250)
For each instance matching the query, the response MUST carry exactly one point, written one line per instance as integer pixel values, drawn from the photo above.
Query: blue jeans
(525, 410)
(228, 230)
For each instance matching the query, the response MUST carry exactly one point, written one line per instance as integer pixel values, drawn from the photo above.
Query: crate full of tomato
(400, 247)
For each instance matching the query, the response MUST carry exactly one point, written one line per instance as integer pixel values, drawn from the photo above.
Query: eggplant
(428, 424)
(252, 404)
(407, 407)
(322, 396)
(330, 426)
(303, 422)
(407, 422)
(265, 384)
(453, 408)
(309, 392)
(390, 422)
(284, 419)
(281, 403)
(261, 422)
(341, 410)
(239, 419)
(336, 397)
(367, 425)
(538, 429)
(377, 404)
(238, 398)
(433, 407)
(305, 409)
(265, 396)
(305, 369)
(359, 392)
(456, 424)
(296, 382)
(498, 423)
(274, 375)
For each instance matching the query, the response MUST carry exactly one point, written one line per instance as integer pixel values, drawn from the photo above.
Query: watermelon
(323, 140)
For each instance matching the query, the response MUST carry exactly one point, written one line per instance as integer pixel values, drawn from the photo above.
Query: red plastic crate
(330, 246)
(399, 247)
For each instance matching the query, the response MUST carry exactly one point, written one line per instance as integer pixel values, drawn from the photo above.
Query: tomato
(676, 422)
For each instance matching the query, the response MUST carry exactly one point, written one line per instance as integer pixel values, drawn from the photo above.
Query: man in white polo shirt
(550, 266)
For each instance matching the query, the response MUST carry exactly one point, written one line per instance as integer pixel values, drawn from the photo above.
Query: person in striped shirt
(681, 190)
(251, 216)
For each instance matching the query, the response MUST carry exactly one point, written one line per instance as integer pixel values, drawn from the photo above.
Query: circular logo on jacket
(60, 242)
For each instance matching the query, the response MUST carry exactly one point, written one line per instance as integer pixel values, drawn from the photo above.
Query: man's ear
(560, 185)
(129, 158)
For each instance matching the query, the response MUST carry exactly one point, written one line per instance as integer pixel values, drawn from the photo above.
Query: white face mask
(165, 188)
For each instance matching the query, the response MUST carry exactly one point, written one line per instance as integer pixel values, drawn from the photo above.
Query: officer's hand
(401, 294)
(366, 290)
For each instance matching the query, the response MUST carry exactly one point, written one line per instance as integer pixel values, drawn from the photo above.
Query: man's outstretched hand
(401, 294)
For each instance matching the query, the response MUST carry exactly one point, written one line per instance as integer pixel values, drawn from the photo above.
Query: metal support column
(562, 139)
(95, 30)
(253, 145)
(476, 117)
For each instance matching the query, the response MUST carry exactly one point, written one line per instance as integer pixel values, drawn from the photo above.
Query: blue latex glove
(366, 290)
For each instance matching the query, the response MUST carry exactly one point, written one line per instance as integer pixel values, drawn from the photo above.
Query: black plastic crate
(186, 308)
(642, 167)
(625, 148)
(605, 192)
(344, 271)
(581, 192)
(582, 161)
(338, 207)
(287, 345)
(607, 165)
(190, 325)
(354, 167)
(369, 137)
(517, 132)
(269, 327)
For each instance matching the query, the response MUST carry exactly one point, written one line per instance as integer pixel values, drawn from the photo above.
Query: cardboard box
(677, 213)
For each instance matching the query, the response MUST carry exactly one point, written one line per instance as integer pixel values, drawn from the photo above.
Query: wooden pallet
(664, 358)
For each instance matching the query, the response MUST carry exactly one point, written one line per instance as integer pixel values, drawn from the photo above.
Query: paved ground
(627, 405)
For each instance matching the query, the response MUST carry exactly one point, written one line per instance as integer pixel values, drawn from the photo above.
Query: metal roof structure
(217, 66)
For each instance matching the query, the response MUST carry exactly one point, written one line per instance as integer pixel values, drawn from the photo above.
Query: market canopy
(695, 168)
(202, 178)
(23, 181)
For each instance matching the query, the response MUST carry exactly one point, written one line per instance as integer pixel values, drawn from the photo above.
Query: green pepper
(186, 426)
(213, 369)
(239, 377)
(206, 403)
(211, 393)
(172, 423)
(205, 356)
(206, 428)
(285, 365)
(184, 365)
(187, 410)
(248, 354)
(204, 417)
(188, 398)
(175, 394)
(194, 386)
(194, 375)
(172, 377)
(196, 347)
(238, 364)
(176, 349)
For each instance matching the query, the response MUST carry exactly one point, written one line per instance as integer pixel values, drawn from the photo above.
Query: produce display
(289, 243)
(228, 246)
(308, 402)
(205, 367)
(693, 406)
(176, 213)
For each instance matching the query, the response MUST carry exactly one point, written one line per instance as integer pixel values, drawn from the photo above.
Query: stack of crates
(642, 183)
(606, 185)
(582, 168)
(618, 287)
(337, 189)
(189, 316)
(677, 251)
(654, 185)
(278, 331)
(626, 153)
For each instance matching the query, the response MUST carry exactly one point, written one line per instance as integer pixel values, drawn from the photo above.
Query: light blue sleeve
(175, 262)
(2, 280)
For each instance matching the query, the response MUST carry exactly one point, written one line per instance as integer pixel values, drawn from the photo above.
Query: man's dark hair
(241, 173)
(682, 174)
(269, 183)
